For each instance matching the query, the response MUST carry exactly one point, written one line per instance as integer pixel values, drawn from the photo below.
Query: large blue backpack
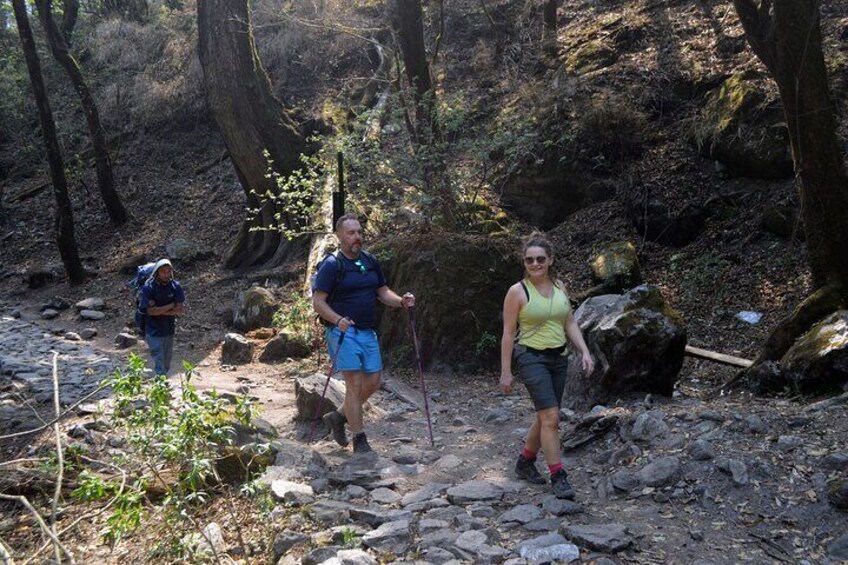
(142, 275)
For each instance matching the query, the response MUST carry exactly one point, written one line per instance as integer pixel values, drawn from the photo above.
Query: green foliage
(298, 318)
(349, 538)
(173, 432)
(296, 199)
(487, 343)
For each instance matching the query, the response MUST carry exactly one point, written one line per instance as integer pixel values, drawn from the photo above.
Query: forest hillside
(654, 126)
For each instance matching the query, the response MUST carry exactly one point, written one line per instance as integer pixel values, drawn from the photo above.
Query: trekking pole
(420, 373)
(326, 384)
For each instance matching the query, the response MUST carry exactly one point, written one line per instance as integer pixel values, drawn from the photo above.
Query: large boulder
(246, 451)
(236, 350)
(818, 360)
(615, 268)
(256, 309)
(637, 341)
(307, 393)
(743, 127)
(459, 283)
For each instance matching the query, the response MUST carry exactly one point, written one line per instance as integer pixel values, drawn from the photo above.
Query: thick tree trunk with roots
(64, 226)
(105, 179)
(407, 20)
(252, 122)
(786, 36)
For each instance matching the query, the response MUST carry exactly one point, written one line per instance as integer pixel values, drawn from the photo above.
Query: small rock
(474, 491)
(737, 469)
(837, 494)
(90, 304)
(295, 493)
(754, 424)
(385, 496)
(712, 416)
(660, 472)
(498, 416)
(836, 461)
(72, 336)
(608, 538)
(125, 340)
(236, 350)
(88, 333)
(701, 450)
(697, 535)
(92, 315)
(49, 314)
(649, 426)
(788, 443)
(522, 513)
(559, 507)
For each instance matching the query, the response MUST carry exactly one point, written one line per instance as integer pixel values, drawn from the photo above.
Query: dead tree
(64, 225)
(103, 163)
(786, 36)
(253, 122)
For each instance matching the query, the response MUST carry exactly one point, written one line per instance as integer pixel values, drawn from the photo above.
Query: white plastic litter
(564, 552)
(749, 317)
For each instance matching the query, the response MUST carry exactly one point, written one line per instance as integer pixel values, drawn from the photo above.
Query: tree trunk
(549, 29)
(70, 11)
(252, 121)
(407, 20)
(787, 38)
(106, 180)
(64, 225)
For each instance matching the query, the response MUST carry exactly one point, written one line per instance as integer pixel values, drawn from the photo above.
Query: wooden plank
(407, 393)
(718, 357)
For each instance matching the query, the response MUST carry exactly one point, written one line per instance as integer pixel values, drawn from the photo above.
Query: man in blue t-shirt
(162, 300)
(345, 297)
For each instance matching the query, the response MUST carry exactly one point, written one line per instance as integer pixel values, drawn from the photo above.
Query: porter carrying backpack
(142, 275)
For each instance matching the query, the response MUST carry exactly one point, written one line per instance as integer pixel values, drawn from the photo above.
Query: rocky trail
(687, 479)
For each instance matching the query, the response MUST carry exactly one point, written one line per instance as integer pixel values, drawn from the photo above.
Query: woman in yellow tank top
(538, 308)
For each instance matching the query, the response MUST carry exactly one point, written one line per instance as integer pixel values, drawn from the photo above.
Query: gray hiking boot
(335, 423)
(561, 488)
(360, 443)
(526, 469)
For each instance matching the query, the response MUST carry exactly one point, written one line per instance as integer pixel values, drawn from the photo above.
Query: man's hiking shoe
(559, 483)
(360, 443)
(526, 469)
(335, 423)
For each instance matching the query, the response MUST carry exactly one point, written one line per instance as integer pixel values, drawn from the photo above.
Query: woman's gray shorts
(543, 374)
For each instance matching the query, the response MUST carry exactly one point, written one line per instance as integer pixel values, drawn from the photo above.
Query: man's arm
(174, 309)
(390, 298)
(323, 309)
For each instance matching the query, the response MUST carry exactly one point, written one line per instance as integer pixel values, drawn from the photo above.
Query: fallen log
(717, 357)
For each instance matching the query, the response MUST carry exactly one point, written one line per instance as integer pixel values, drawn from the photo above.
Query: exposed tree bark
(252, 121)
(407, 21)
(70, 11)
(64, 223)
(786, 36)
(105, 179)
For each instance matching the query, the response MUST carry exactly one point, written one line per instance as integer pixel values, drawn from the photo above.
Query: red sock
(555, 468)
(529, 455)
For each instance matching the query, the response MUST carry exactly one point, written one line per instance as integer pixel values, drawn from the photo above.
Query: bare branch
(89, 515)
(57, 492)
(44, 527)
(58, 418)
